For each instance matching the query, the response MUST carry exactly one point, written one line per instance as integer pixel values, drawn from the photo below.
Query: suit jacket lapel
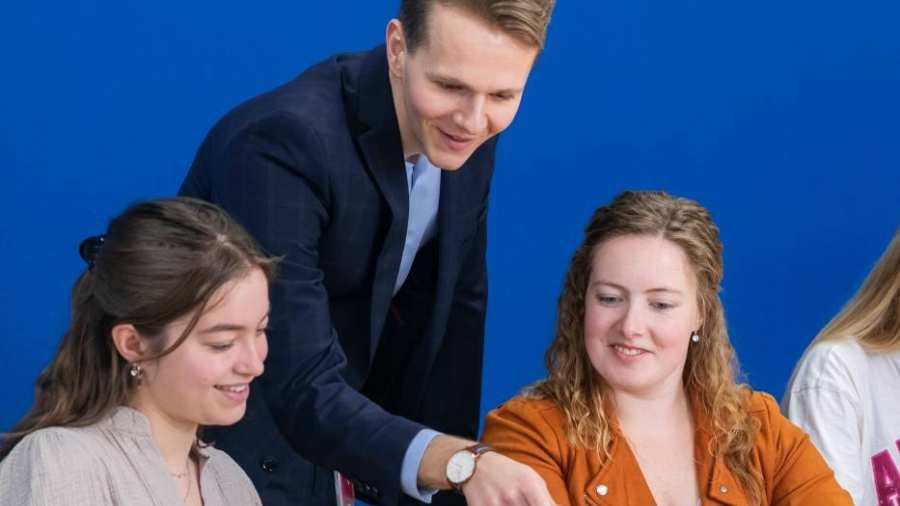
(448, 232)
(448, 259)
(378, 135)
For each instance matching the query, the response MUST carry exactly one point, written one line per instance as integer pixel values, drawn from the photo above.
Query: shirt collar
(125, 419)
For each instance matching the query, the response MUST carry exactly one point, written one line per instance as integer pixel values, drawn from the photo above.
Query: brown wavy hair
(872, 316)
(711, 366)
(159, 261)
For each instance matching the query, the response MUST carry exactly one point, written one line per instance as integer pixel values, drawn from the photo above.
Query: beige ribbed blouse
(114, 462)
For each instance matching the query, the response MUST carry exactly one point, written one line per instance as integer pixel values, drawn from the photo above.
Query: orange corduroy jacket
(532, 431)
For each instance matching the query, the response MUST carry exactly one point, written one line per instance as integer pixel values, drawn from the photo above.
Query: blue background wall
(781, 117)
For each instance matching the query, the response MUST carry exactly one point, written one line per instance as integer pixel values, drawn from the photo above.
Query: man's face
(461, 86)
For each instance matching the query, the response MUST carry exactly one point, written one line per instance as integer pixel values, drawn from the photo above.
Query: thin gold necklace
(182, 474)
(187, 493)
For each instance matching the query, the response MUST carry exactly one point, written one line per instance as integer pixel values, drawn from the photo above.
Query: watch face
(460, 467)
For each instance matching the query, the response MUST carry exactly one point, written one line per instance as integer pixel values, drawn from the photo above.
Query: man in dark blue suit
(369, 174)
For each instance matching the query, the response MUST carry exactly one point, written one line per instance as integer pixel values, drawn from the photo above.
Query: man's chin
(449, 168)
(448, 160)
(449, 153)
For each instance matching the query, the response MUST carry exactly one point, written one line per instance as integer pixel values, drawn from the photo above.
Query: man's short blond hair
(525, 20)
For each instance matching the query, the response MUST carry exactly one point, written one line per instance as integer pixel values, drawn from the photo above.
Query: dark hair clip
(89, 249)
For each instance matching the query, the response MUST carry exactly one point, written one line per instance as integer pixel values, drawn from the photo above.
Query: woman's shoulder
(49, 462)
(526, 414)
(58, 444)
(763, 404)
(527, 427)
(830, 365)
(835, 350)
(789, 463)
(530, 406)
(775, 430)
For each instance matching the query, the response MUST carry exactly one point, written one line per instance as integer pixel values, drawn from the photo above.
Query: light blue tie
(424, 181)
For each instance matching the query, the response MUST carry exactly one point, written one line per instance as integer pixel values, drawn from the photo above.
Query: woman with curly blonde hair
(641, 405)
(845, 389)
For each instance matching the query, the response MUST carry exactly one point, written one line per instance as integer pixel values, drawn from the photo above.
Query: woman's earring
(695, 337)
(136, 372)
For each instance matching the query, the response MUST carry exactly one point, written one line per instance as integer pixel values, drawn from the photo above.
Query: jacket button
(723, 489)
(268, 464)
(602, 489)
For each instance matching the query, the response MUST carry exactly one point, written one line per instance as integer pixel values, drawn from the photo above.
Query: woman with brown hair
(167, 331)
(641, 405)
(845, 390)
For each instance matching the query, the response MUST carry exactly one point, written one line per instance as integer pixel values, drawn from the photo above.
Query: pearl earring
(136, 372)
(695, 337)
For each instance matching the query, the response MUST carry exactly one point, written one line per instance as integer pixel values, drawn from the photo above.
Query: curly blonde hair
(711, 365)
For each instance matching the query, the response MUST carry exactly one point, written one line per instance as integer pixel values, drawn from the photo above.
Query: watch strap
(477, 450)
(480, 449)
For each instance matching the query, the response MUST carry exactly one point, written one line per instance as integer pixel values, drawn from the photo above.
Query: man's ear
(395, 44)
(129, 342)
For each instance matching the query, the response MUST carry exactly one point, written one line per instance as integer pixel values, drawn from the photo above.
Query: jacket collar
(373, 121)
(720, 484)
(614, 484)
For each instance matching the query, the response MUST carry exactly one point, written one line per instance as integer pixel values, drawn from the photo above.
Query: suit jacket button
(602, 489)
(268, 464)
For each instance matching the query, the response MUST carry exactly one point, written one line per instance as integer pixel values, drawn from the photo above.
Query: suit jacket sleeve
(275, 182)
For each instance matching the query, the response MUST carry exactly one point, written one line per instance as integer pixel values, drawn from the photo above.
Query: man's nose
(471, 116)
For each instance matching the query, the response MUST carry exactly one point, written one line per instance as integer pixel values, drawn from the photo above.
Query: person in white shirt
(845, 391)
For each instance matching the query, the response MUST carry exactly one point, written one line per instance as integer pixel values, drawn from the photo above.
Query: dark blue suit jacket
(315, 171)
